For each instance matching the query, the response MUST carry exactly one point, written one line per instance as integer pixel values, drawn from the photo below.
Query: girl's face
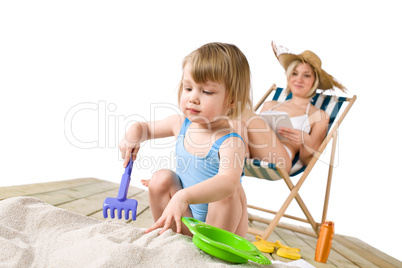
(202, 103)
(301, 80)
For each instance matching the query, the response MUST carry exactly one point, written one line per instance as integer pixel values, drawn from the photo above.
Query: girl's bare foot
(145, 182)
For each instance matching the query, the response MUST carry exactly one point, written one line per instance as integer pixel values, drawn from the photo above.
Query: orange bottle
(324, 241)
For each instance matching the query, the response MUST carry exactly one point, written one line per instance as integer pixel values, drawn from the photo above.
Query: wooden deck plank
(374, 251)
(144, 220)
(334, 257)
(372, 261)
(94, 203)
(273, 238)
(251, 238)
(340, 255)
(289, 238)
(67, 195)
(30, 189)
(308, 231)
(86, 196)
(362, 252)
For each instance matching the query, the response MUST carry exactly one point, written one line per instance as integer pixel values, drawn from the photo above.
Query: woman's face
(301, 80)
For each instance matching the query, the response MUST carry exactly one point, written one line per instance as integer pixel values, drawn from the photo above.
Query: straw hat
(327, 81)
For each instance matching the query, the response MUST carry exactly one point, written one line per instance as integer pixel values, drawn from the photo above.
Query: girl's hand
(171, 215)
(293, 135)
(130, 143)
(127, 150)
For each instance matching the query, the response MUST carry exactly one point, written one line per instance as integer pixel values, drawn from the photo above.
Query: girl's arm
(221, 186)
(142, 131)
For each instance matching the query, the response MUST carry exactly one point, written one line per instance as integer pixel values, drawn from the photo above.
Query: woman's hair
(292, 66)
(222, 63)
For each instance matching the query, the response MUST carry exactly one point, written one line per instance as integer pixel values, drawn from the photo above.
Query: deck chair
(264, 170)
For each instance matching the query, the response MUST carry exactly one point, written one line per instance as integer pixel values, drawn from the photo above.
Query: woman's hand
(172, 214)
(293, 135)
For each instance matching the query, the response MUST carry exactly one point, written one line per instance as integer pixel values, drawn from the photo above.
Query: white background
(74, 74)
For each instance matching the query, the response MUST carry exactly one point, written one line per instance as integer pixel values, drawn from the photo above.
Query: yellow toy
(282, 250)
(264, 246)
(287, 252)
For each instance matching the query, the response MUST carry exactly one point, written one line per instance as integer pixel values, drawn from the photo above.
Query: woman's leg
(162, 186)
(230, 213)
(263, 143)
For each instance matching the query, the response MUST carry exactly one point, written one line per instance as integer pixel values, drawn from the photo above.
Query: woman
(304, 76)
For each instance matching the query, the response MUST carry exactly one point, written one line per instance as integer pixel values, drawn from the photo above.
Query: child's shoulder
(232, 135)
(175, 122)
(178, 118)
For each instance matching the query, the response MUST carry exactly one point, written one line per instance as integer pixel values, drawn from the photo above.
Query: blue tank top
(193, 169)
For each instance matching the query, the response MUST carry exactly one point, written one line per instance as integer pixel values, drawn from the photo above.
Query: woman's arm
(311, 142)
(142, 131)
(308, 143)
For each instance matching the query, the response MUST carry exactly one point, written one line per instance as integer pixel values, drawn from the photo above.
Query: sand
(36, 234)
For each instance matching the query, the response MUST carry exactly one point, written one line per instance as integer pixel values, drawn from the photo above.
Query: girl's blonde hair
(292, 66)
(222, 63)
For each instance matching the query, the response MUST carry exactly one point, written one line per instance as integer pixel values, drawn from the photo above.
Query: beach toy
(287, 252)
(223, 244)
(121, 202)
(264, 246)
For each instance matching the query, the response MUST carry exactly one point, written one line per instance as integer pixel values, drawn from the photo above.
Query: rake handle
(125, 182)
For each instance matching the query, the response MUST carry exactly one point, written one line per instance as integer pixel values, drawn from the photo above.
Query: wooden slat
(301, 229)
(86, 196)
(144, 220)
(360, 250)
(290, 238)
(374, 251)
(67, 195)
(340, 255)
(273, 238)
(274, 212)
(251, 238)
(30, 189)
(94, 203)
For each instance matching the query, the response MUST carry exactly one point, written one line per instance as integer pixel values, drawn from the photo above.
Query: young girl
(215, 87)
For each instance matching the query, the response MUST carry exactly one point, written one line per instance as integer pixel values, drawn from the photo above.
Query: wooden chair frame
(294, 189)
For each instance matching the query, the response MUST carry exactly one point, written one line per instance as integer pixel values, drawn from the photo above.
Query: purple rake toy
(121, 202)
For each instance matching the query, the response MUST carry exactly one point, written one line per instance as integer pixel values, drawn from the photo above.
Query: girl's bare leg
(230, 214)
(162, 186)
